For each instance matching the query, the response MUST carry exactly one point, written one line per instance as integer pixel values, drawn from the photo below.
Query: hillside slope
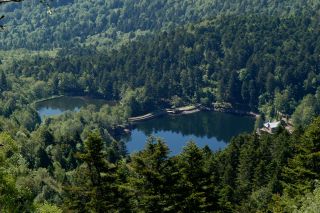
(106, 22)
(259, 61)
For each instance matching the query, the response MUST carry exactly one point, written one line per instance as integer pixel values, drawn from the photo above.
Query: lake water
(214, 129)
(60, 105)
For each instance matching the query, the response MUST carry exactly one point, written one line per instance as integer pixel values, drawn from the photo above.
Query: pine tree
(196, 185)
(154, 178)
(3, 82)
(304, 168)
(94, 190)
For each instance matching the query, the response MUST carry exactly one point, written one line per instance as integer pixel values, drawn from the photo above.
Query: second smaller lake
(213, 129)
(57, 106)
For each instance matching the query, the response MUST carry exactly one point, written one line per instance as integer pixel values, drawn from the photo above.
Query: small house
(272, 126)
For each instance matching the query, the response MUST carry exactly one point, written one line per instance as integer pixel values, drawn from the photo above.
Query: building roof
(272, 125)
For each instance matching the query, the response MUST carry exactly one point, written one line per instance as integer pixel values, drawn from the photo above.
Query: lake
(57, 106)
(214, 129)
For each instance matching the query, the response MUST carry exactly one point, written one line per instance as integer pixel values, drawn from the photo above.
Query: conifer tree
(95, 190)
(195, 183)
(154, 178)
(304, 168)
(3, 82)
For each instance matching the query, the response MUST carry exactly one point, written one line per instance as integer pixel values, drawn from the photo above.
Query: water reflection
(205, 128)
(217, 125)
(60, 105)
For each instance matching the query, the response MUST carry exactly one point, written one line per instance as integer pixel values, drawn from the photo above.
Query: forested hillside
(108, 22)
(258, 55)
(56, 169)
(263, 62)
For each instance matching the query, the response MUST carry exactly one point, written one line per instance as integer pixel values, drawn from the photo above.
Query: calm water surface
(60, 105)
(214, 129)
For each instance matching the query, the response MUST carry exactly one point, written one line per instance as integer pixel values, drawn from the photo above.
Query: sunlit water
(57, 106)
(213, 129)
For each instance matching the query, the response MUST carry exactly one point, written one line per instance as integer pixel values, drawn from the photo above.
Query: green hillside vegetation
(258, 55)
(265, 63)
(110, 22)
(58, 166)
(72, 161)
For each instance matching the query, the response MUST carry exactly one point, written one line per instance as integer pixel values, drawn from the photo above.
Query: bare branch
(7, 1)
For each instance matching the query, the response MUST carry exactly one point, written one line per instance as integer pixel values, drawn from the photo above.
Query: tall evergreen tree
(3, 82)
(154, 179)
(96, 190)
(304, 168)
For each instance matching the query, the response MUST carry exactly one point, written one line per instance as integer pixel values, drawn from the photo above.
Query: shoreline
(171, 112)
(84, 98)
(47, 99)
(238, 112)
(191, 109)
(185, 110)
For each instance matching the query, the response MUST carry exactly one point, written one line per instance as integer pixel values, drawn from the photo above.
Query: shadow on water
(60, 105)
(214, 129)
(221, 126)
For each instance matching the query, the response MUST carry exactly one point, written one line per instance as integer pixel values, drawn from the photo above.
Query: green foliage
(12, 196)
(263, 56)
(47, 208)
(197, 188)
(283, 103)
(97, 186)
(310, 202)
(138, 101)
(306, 110)
(99, 23)
(176, 101)
(303, 169)
(153, 178)
(257, 64)
(248, 176)
(3, 82)
(27, 118)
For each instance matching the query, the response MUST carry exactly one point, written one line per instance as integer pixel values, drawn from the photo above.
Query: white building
(272, 126)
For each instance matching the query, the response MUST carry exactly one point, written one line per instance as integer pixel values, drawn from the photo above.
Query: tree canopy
(147, 55)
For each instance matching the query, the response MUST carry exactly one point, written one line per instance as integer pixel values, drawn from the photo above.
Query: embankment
(186, 110)
(174, 111)
(47, 99)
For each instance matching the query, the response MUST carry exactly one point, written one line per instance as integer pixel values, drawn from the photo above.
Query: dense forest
(30, 25)
(266, 63)
(275, 173)
(261, 56)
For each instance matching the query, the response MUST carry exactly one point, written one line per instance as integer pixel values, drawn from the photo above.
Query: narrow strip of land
(190, 109)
